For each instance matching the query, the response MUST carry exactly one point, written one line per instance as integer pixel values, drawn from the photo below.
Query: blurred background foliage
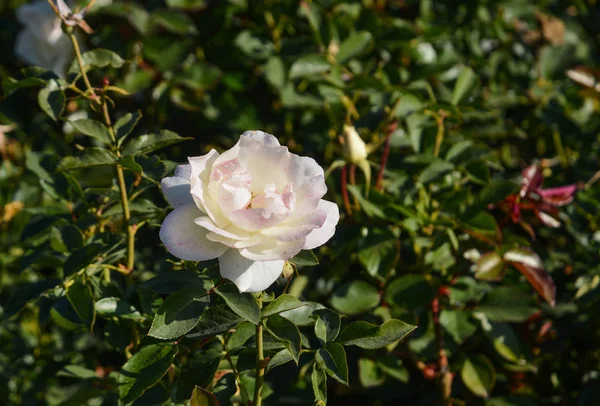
(454, 98)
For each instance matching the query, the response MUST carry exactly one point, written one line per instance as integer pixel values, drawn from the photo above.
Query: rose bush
(254, 206)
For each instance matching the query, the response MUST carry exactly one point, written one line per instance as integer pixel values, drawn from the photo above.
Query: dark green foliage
(454, 276)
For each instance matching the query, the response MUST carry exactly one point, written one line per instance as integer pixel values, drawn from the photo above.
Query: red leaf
(530, 265)
(532, 179)
(558, 196)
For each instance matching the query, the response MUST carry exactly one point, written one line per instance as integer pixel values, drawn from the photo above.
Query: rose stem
(445, 377)
(384, 157)
(260, 363)
(345, 190)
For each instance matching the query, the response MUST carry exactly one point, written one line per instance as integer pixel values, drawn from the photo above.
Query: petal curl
(201, 167)
(177, 188)
(272, 250)
(187, 240)
(248, 275)
(321, 235)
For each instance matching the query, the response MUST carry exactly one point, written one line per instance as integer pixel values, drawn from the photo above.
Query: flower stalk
(260, 363)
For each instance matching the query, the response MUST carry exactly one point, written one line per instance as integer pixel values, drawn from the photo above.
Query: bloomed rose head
(253, 207)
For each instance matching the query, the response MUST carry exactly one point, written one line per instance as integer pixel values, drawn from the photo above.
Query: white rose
(253, 207)
(42, 41)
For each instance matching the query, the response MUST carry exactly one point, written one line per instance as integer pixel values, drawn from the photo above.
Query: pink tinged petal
(230, 186)
(185, 239)
(266, 164)
(308, 180)
(558, 196)
(256, 219)
(177, 188)
(321, 235)
(532, 179)
(231, 232)
(273, 249)
(248, 275)
(201, 168)
(299, 229)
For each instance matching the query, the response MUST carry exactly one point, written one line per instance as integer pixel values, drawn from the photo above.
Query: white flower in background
(42, 41)
(253, 207)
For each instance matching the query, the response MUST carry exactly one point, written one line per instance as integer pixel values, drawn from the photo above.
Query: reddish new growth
(543, 202)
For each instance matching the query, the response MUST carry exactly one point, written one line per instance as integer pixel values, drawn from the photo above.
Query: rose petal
(201, 168)
(248, 275)
(231, 231)
(177, 188)
(299, 229)
(308, 180)
(321, 235)
(185, 239)
(256, 219)
(265, 162)
(271, 250)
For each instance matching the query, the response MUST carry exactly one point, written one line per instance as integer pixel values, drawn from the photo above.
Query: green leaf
(285, 332)
(202, 397)
(369, 336)
(507, 303)
(478, 172)
(282, 357)
(466, 81)
(303, 316)
(369, 373)
(180, 312)
(187, 4)
(357, 44)
(355, 297)
(309, 65)
(82, 257)
(94, 129)
(125, 125)
(114, 307)
(281, 304)
(81, 298)
(200, 76)
(216, 320)
(332, 359)
(98, 58)
(479, 375)
(243, 304)
(52, 99)
(173, 21)
(327, 325)
(493, 193)
(318, 378)
(77, 371)
(225, 388)
(410, 291)
(275, 72)
(434, 171)
(147, 143)
(128, 162)
(457, 323)
(489, 267)
(305, 258)
(65, 317)
(172, 281)
(89, 157)
(199, 370)
(144, 370)
(378, 252)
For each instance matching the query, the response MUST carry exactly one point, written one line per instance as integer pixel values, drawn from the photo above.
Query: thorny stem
(260, 363)
(384, 156)
(444, 377)
(345, 190)
(82, 65)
